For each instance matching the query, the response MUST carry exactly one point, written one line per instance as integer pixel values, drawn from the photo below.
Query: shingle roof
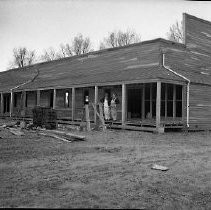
(134, 62)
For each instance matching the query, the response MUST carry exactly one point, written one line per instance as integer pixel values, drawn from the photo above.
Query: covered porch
(143, 105)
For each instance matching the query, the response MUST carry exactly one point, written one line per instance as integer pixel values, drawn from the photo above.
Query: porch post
(96, 101)
(11, 102)
(2, 103)
(54, 98)
(143, 103)
(73, 103)
(38, 97)
(166, 95)
(174, 101)
(158, 103)
(151, 99)
(23, 104)
(183, 103)
(123, 104)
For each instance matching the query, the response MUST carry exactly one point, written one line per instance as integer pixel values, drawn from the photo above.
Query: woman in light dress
(106, 106)
(114, 102)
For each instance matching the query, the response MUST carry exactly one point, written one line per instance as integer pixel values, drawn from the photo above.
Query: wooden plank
(73, 104)
(96, 101)
(54, 98)
(2, 103)
(136, 128)
(100, 115)
(143, 103)
(87, 117)
(158, 104)
(11, 103)
(123, 104)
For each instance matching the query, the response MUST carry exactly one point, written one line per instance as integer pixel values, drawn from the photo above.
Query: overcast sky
(40, 24)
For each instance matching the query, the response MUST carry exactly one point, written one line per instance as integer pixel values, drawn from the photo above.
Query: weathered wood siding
(200, 107)
(197, 34)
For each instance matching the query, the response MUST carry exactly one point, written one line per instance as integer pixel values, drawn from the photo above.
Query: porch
(143, 105)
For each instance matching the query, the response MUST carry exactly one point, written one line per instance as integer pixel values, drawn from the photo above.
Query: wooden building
(160, 84)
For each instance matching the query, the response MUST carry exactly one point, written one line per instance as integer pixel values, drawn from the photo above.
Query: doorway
(134, 102)
(6, 103)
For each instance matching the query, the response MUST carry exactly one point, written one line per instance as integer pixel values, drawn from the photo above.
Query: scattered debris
(9, 124)
(16, 132)
(22, 124)
(17, 128)
(159, 167)
(69, 135)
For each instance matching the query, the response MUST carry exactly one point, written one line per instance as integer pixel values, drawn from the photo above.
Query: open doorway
(134, 102)
(6, 103)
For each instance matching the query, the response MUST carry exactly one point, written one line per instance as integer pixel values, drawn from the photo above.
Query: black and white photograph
(105, 104)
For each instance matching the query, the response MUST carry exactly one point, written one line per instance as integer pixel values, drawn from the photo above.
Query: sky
(40, 24)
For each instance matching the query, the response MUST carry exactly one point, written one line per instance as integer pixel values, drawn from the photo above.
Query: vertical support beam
(2, 103)
(158, 103)
(23, 104)
(96, 101)
(123, 104)
(166, 97)
(174, 101)
(151, 99)
(73, 103)
(11, 102)
(54, 98)
(38, 97)
(88, 127)
(143, 103)
(183, 103)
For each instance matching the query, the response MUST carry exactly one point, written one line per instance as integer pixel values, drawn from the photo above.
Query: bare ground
(108, 170)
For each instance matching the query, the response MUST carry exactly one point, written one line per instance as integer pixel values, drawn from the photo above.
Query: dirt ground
(108, 170)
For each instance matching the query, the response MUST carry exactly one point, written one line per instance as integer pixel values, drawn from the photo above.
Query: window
(171, 100)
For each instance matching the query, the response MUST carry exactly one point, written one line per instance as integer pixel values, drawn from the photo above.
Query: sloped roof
(134, 62)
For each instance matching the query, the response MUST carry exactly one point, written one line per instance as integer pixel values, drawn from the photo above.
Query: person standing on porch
(106, 106)
(114, 102)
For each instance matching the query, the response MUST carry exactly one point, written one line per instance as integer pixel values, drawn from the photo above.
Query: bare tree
(176, 32)
(65, 50)
(120, 38)
(22, 57)
(81, 45)
(50, 54)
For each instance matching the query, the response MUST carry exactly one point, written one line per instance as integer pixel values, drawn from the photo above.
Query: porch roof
(76, 79)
